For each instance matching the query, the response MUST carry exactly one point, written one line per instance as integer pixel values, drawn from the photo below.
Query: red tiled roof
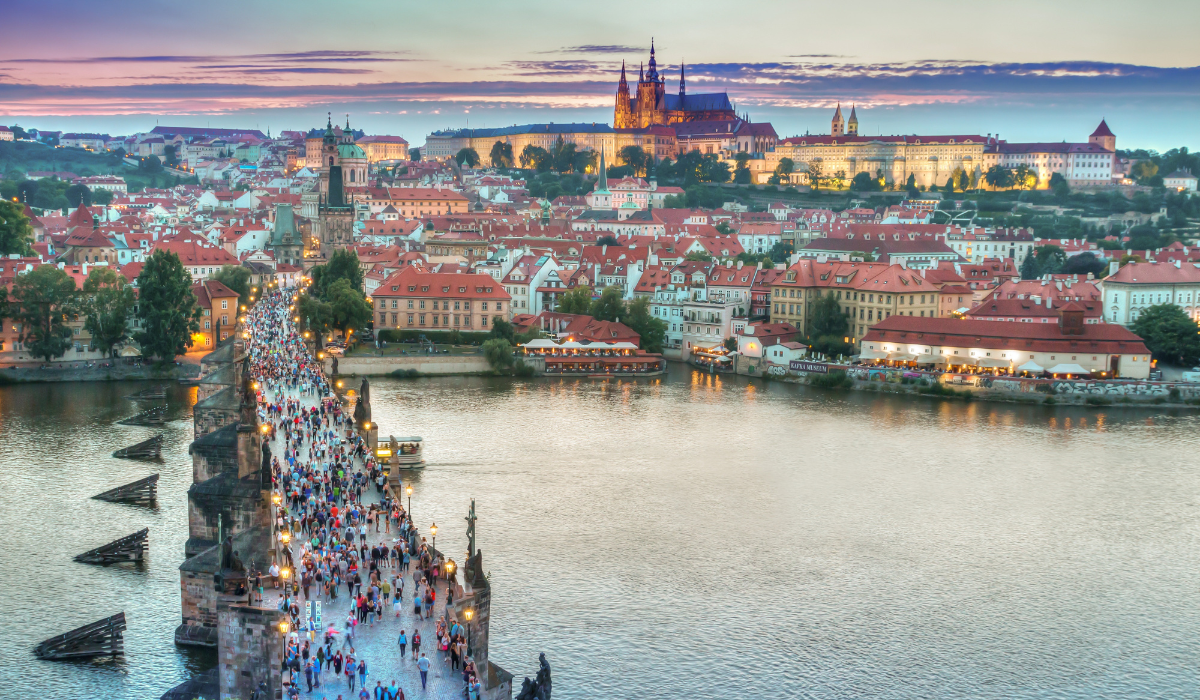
(449, 285)
(1040, 337)
(1156, 273)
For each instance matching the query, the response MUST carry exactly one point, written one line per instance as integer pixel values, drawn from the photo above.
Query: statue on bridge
(539, 687)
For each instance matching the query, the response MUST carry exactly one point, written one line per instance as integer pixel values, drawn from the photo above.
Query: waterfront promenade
(324, 479)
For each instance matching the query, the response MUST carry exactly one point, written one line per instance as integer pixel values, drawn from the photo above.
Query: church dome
(347, 151)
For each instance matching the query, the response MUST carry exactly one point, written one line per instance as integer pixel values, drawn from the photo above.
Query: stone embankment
(108, 371)
(358, 365)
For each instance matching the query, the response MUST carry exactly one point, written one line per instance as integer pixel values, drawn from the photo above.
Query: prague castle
(653, 105)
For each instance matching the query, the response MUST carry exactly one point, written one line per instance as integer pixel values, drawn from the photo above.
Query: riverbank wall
(407, 364)
(115, 371)
(989, 388)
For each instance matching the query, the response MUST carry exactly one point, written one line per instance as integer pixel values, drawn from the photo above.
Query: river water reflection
(695, 537)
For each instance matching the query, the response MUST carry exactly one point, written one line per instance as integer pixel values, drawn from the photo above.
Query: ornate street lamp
(433, 532)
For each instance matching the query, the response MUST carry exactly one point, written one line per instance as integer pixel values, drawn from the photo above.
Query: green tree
(236, 278)
(783, 171)
(781, 252)
(108, 304)
(467, 157)
(741, 173)
(78, 193)
(150, 165)
(724, 228)
(827, 317)
(44, 301)
(609, 306)
(343, 264)
(535, 157)
(911, 185)
(634, 158)
(348, 307)
(170, 157)
(1059, 185)
(653, 331)
(1144, 171)
(503, 329)
(863, 182)
(563, 156)
(698, 256)
(166, 307)
(1169, 334)
(501, 155)
(577, 300)
(499, 353)
(998, 177)
(816, 175)
(712, 169)
(315, 315)
(414, 155)
(1050, 259)
(15, 232)
(1029, 268)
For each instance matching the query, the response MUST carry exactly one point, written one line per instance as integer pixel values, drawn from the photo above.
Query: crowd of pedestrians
(345, 540)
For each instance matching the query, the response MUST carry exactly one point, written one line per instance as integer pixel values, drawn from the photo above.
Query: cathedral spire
(652, 72)
(641, 73)
(623, 83)
(682, 86)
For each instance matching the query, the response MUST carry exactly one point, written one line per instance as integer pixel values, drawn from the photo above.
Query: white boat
(401, 453)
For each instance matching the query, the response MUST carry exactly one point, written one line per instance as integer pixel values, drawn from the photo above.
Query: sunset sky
(1044, 70)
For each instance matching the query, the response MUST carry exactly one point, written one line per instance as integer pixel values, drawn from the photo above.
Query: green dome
(350, 150)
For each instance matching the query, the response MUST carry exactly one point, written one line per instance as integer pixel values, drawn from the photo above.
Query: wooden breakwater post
(101, 638)
(146, 449)
(151, 416)
(142, 492)
(154, 393)
(128, 548)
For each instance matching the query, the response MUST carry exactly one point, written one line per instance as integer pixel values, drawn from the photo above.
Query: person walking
(351, 667)
(362, 674)
(416, 643)
(403, 642)
(423, 665)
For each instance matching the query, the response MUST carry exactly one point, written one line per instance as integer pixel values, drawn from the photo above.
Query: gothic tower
(852, 124)
(682, 82)
(1104, 137)
(623, 115)
(838, 126)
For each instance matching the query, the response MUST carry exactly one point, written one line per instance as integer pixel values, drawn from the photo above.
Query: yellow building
(866, 292)
(657, 141)
(380, 148)
(844, 153)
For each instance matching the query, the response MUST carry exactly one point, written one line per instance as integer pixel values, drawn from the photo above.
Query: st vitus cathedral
(654, 106)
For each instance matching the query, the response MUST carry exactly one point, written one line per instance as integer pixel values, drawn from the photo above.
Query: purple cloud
(298, 56)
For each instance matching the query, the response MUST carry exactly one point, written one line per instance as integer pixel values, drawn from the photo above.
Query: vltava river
(692, 537)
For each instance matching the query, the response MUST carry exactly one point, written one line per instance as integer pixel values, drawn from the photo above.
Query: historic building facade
(653, 105)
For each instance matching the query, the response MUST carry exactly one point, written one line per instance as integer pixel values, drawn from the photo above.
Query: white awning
(928, 359)
(991, 362)
(624, 345)
(1031, 366)
(872, 355)
(958, 360)
(541, 343)
(1068, 369)
(901, 357)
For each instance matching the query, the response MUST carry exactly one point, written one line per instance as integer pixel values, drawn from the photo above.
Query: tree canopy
(1169, 334)
(343, 264)
(236, 278)
(467, 157)
(44, 301)
(577, 300)
(108, 304)
(15, 230)
(501, 155)
(166, 307)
